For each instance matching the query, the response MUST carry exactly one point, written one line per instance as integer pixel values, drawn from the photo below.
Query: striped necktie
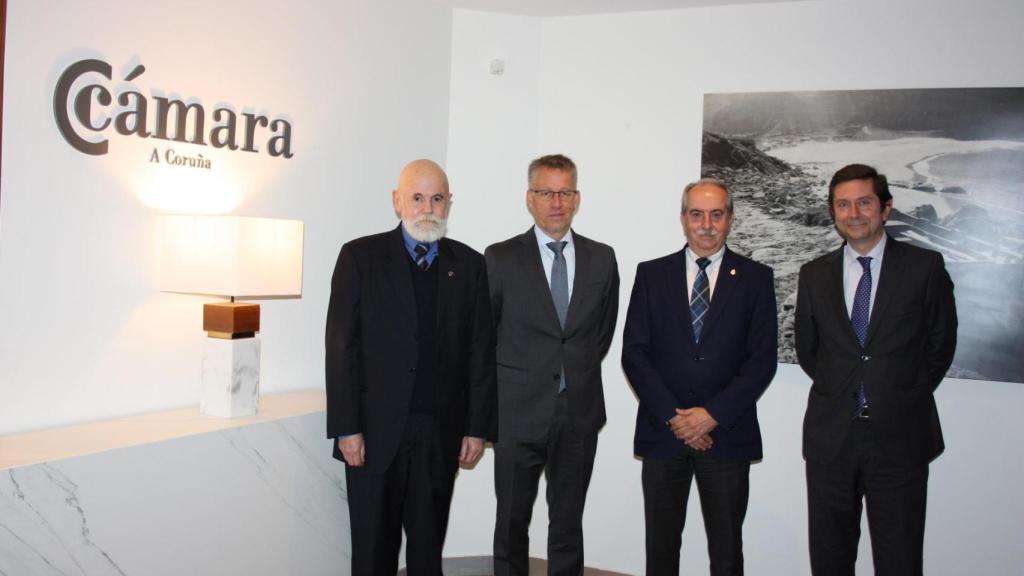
(700, 299)
(421, 256)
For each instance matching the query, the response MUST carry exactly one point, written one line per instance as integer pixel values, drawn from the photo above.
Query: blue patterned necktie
(700, 299)
(421, 256)
(860, 317)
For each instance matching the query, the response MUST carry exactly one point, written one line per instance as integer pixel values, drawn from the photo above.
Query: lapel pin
(732, 272)
(451, 274)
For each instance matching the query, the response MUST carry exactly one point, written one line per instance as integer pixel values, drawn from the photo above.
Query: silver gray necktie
(560, 291)
(559, 281)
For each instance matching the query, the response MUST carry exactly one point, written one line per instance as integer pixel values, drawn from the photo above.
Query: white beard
(426, 228)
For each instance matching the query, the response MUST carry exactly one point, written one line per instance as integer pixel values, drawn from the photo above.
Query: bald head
(422, 172)
(422, 200)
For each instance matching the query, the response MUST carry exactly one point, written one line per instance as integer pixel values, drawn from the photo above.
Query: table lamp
(230, 256)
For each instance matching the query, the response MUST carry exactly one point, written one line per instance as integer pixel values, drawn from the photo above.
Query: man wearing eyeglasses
(699, 348)
(554, 301)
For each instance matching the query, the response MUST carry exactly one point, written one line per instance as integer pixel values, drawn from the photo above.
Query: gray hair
(558, 162)
(707, 182)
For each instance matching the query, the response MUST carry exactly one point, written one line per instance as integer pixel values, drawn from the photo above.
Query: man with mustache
(699, 348)
(410, 375)
(876, 331)
(555, 299)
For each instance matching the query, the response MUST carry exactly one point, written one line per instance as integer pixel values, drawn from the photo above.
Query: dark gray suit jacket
(533, 348)
(910, 343)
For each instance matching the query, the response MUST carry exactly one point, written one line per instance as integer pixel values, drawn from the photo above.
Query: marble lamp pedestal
(231, 360)
(231, 377)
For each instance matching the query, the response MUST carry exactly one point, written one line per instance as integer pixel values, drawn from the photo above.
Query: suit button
(563, 340)
(557, 377)
(865, 358)
(698, 358)
(411, 370)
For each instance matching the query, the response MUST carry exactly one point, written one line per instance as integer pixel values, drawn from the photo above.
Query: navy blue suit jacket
(725, 373)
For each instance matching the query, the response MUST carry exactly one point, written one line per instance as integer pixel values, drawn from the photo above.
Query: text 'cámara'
(93, 110)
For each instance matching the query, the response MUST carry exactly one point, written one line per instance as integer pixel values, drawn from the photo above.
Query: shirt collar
(851, 255)
(543, 239)
(716, 258)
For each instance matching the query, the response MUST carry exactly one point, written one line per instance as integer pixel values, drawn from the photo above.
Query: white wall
(84, 332)
(622, 94)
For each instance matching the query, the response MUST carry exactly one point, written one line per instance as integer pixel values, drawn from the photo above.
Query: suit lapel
(729, 273)
(887, 282)
(399, 275)
(678, 295)
(583, 256)
(446, 276)
(532, 266)
(837, 294)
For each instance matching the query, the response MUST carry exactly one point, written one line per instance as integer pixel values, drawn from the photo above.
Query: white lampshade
(230, 255)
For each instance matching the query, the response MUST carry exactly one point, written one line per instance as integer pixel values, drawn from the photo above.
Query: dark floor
(484, 566)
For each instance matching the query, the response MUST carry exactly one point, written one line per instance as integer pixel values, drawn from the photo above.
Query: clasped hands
(353, 449)
(693, 426)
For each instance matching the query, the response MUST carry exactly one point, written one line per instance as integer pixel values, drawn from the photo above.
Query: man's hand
(702, 443)
(693, 426)
(353, 449)
(677, 424)
(471, 450)
(693, 423)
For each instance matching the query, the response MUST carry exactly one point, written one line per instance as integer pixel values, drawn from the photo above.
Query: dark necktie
(700, 298)
(421, 256)
(859, 317)
(560, 291)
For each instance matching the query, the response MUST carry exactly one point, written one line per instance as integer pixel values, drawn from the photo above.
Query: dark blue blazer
(725, 373)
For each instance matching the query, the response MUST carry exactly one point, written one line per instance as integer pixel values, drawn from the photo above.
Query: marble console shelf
(177, 493)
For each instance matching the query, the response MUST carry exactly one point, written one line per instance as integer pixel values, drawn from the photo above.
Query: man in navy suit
(699, 348)
(876, 331)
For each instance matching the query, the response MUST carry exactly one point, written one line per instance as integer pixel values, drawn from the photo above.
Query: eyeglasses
(550, 194)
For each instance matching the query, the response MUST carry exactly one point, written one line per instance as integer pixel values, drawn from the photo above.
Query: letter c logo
(83, 104)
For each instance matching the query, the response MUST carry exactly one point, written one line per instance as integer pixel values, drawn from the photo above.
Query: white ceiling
(577, 7)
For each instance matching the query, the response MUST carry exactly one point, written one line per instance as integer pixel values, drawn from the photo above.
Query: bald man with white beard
(410, 375)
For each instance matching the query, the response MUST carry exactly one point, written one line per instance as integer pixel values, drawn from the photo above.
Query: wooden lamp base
(231, 320)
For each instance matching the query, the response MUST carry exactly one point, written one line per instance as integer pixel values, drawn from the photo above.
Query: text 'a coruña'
(132, 117)
(174, 159)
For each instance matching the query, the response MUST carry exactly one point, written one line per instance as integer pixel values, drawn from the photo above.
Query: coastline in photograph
(955, 163)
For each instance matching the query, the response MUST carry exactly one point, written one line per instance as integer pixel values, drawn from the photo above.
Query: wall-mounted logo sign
(84, 119)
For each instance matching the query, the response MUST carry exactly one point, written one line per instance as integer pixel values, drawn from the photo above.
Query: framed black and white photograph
(954, 158)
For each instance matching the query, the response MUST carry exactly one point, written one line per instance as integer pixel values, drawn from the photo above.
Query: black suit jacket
(910, 343)
(532, 347)
(372, 348)
(725, 373)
